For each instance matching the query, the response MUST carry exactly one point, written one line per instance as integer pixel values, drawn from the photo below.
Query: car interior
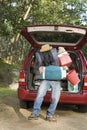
(33, 78)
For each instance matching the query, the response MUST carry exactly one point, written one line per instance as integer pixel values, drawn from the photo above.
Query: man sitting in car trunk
(48, 59)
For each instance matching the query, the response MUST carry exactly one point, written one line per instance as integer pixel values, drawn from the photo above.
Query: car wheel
(82, 108)
(23, 104)
(30, 104)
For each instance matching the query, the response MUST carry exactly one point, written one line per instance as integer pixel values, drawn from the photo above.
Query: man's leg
(55, 98)
(40, 96)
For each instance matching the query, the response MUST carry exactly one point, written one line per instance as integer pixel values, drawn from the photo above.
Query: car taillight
(85, 83)
(22, 80)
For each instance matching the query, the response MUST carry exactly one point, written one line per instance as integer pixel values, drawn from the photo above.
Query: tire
(30, 104)
(82, 108)
(23, 104)
(26, 104)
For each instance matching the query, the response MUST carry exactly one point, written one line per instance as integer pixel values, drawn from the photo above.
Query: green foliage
(84, 49)
(7, 75)
(57, 11)
(12, 20)
(7, 92)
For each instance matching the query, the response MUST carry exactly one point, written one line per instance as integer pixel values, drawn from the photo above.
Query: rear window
(84, 50)
(55, 37)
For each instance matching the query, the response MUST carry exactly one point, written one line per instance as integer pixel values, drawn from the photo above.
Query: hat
(45, 47)
(61, 50)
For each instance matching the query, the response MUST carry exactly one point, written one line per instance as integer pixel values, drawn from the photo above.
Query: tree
(16, 14)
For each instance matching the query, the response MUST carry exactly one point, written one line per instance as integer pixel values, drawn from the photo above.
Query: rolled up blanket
(53, 73)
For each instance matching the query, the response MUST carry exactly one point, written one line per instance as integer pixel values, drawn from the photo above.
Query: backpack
(47, 58)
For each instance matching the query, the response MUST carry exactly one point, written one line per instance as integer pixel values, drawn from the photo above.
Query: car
(72, 38)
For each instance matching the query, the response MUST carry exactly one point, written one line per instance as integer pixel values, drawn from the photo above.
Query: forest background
(16, 14)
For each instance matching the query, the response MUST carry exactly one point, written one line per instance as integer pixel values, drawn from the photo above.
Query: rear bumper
(74, 98)
(71, 98)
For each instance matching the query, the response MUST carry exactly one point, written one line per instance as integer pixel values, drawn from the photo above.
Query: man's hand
(41, 69)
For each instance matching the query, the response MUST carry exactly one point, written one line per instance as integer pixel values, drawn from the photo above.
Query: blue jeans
(45, 85)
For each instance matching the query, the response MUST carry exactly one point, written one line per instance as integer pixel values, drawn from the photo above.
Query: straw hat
(45, 47)
(61, 50)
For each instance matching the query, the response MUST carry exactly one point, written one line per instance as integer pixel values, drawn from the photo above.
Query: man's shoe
(33, 117)
(51, 118)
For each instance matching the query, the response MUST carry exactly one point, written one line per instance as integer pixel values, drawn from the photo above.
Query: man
(45, 85)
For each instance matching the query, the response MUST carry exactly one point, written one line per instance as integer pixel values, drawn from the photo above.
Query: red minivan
(72, 38)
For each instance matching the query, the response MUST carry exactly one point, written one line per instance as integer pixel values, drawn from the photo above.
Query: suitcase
(64, 59)
(73, 77)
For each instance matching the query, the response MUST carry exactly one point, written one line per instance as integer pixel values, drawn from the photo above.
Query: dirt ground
(12, 117)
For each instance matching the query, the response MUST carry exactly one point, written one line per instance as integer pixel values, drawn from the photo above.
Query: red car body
(61, 33)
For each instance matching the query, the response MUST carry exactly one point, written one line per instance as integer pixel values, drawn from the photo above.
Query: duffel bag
(53, 73)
